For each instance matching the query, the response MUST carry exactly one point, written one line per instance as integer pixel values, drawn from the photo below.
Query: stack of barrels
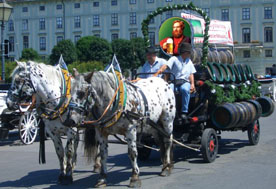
(218, 56)
(240, 114)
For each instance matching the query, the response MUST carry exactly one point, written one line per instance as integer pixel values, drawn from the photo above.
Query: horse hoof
(165, 172)
(101, 183)
(66, 180)
(135, 183)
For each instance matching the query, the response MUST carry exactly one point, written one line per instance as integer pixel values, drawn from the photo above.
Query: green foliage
(83, 67)
(68, 51)
(92, 48)
(29, 54)
(139, 49)
(9, 67)
(232, 93)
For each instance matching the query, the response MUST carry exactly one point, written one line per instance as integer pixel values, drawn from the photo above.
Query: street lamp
(5, 12)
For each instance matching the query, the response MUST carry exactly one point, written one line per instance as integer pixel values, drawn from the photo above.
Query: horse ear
(75, 72)
(20, 64)
(87, 77)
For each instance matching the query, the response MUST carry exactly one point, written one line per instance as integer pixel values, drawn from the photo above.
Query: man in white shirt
(153, 63)
(183, 69)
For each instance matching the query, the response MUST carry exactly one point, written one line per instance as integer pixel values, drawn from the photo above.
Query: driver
(183, 69)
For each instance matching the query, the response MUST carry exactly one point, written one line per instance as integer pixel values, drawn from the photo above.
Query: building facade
(41, 24)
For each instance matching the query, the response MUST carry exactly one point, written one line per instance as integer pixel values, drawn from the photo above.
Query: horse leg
(97, 161)
(166, 155)
(70, 153)
(135, 182)
(76, 144)
(103, 142)
(60, 153)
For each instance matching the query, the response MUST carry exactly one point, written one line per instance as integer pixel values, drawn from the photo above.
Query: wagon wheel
(253, 131)
(28, 126)
(209, 145)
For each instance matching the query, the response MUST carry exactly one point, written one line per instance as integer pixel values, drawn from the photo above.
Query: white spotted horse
(48, 85)
(148, 98)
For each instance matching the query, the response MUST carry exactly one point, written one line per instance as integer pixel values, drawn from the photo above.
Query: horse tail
(90, 144)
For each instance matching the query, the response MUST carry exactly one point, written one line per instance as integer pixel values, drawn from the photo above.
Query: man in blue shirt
(183, 69)
(153, 63)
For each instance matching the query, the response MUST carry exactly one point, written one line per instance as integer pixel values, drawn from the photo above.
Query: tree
(92, 48)
(68, 51)
(139, 49)
(29, 54)
(124, 51)
(83, 67)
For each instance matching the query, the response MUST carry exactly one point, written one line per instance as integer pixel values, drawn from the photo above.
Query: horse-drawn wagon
(227, 96)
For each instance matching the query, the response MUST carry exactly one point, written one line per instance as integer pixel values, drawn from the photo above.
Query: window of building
(268, 34)
(132, 1)
(77, 5)
(25, 42)
(114, 19)
(168, 0)
(169, 14)
(77, 22)
(246, 13)
(42, 8)
(132, 18)
(150, 1)
(114, 36)
(96, 20)
(97, 35)
(24, 24)
(246, 35)
(133, 35)
(59, 39)
(225, 14)
(268, 53)
(207, 11)
(24, 9)
(152, 38)
(10, 25)
(246, 54)
(151, 20)
(42, 43)
(77, 37)
(59, 22)
(11, 45)
(113, 2)
(267, 12)
(96, 4)
(59, 6)
(42, 23)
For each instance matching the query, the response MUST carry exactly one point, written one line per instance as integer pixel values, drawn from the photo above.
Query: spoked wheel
(253, 131)
(28, 126)
(209, 145)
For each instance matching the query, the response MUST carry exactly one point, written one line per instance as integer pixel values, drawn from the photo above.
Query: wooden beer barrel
(244, 115)
(258, 108)
(242, 72)
(237, 73)
(223, 57)
(225, 116)
(216, 57)
(225, 72)
(210, 56)
(211, 71)
(267, 106)
(231, 73)
(230, 57)
(251, 112)
(218, 72)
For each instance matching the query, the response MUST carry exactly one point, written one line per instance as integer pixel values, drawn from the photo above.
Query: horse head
(22, 88)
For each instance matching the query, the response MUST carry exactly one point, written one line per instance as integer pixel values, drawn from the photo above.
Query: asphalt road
(238, 165)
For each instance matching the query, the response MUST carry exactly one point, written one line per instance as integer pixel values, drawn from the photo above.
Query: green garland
(190, 6)
(229, 94)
